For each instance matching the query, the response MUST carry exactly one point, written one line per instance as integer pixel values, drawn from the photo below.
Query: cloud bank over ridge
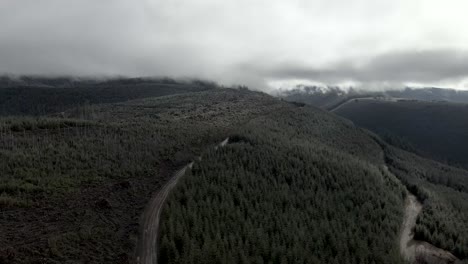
(256, 42)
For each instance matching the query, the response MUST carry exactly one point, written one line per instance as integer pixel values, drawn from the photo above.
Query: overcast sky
(262, 43)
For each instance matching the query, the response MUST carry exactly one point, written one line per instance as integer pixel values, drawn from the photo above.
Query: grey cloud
(402, 66)
(86, 37)
(211, 39)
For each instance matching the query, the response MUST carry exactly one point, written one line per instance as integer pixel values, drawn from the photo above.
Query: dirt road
(334, 109)
(386, 99)
(148, 240)
(412, 209)
(414, 251)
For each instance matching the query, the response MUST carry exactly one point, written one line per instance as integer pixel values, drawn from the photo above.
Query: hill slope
(73, 188)
(435, 130)
(296, 183)
(41, 96)
(294, 186)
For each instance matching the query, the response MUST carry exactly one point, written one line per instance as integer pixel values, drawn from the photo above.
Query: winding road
(148, 240)
(414, 251)
(407, 246)
(333, 109)
(370, 98)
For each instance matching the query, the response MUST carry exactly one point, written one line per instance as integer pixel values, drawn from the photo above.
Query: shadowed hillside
(331, 97)
(73, 188)
(435, 130)
(296, 183)
(41, 96)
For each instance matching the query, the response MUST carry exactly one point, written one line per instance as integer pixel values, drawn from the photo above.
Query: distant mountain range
(35, 96)
(330, 97)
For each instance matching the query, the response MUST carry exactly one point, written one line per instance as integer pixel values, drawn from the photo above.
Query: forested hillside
(431, 94)
(435, 130)
(302, 186)
(325, 98)
(295, 185)
(72, 188)
(41, 96)
(444, 193)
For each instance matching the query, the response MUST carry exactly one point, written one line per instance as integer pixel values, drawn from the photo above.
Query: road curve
(385, 99)
(335, 108)
(412, 209)
(148, 241)
(414, 251)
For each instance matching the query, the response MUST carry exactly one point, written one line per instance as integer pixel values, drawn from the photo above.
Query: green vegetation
(295, 184)
(444, 192)
(73, 188)
(290, 188)
(434, 130)
(40, 96)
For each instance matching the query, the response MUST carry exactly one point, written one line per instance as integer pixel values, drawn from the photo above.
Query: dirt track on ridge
(412, 210)
(414, 251)
(148, 241)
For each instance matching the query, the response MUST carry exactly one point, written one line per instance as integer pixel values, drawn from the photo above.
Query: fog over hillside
(370, 44)
(330, 96)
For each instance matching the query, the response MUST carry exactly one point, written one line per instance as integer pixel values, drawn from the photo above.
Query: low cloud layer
(254, 42)
(395, 67)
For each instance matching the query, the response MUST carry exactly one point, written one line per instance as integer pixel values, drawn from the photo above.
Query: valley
(432, 130)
